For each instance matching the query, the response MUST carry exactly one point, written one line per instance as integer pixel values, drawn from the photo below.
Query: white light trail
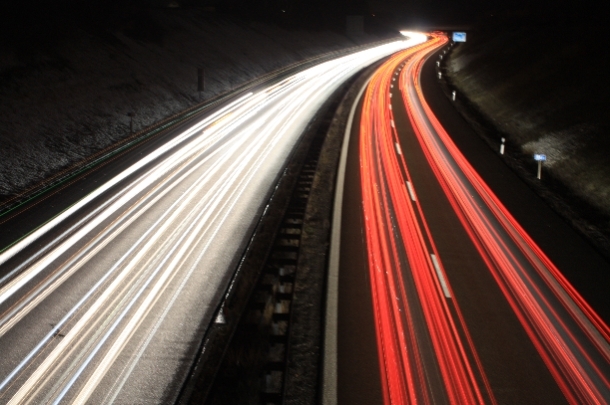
(166, 231)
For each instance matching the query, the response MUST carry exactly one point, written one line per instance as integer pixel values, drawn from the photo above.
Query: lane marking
(398, 148)
(329, 370)
(411, 191)
(439, 273)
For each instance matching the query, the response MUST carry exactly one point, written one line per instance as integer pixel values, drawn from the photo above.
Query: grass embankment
(69, 83)
(547, 91)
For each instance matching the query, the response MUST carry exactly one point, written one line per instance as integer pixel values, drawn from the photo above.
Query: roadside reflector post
(200, 81)
(440, 57)
(502, 146)
(453, 95)
(438, 63)
(440, 75)
(539, 158)
(131, 115)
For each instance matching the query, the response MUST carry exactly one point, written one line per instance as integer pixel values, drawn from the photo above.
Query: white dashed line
(411, 191)
(441, 278)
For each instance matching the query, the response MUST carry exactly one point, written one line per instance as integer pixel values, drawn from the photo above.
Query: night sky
(323, 10)
(27, 20)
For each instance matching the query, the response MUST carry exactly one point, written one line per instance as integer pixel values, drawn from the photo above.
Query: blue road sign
(459, 37)
(539, 157)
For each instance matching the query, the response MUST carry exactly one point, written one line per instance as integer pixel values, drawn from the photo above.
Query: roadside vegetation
(545, 88)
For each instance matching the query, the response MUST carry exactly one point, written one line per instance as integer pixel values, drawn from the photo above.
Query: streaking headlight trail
(105, 301)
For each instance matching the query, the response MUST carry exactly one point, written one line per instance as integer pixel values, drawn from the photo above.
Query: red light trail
(424, 346)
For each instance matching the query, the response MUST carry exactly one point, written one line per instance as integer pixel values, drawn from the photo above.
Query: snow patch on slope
(60, 105)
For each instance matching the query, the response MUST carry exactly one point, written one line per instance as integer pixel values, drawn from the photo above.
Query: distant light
(283, 11)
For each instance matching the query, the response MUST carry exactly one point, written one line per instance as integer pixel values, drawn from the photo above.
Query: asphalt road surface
(444, 297)
(107, 286)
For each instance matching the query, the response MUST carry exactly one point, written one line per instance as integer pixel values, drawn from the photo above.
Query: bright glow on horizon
(419, 37)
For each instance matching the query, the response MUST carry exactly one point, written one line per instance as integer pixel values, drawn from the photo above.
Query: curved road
(108, 299)
(443, 296)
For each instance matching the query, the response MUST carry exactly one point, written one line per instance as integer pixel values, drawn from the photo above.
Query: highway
(444, 297)
(107, 299)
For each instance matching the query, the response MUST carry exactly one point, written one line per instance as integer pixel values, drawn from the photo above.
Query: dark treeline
(27, 22)
(34, 23)
(41, 14)
(37, 14)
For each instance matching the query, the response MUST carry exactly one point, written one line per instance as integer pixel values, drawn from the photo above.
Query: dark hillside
(547, 90)
(70, 80)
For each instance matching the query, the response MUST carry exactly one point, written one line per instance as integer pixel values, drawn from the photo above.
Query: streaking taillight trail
(425, 349)
(426, 355)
